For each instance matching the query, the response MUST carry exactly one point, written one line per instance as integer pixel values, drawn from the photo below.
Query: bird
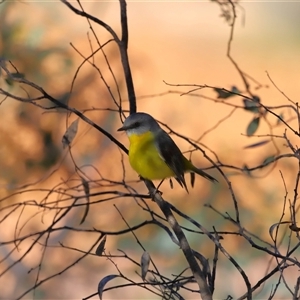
(152, 152)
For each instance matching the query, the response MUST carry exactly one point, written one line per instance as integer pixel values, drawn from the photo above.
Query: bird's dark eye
(136, 124)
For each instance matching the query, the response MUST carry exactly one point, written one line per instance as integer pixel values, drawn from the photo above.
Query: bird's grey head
(139, 123)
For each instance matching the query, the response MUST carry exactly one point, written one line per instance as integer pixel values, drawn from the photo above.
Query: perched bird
(152, 152)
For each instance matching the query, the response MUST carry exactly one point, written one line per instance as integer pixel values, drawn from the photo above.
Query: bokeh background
(173, 42)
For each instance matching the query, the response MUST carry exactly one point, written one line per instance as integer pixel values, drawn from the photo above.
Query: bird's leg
(156, 190)
(159, 186)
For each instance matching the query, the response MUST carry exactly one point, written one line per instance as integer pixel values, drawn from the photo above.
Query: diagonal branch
(184, 245)
(94, 19)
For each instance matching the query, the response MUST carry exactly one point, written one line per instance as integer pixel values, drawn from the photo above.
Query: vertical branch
(232, 25)
(124, 24)
(123, 46)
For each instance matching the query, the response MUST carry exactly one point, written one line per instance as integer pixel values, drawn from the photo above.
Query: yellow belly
(145, 159)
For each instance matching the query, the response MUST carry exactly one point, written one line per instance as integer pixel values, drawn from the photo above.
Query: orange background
(175, 42)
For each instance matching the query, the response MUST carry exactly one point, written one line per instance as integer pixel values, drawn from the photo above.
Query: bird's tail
(204, 174)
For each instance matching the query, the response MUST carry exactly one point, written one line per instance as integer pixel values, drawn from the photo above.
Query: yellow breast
(145, 159)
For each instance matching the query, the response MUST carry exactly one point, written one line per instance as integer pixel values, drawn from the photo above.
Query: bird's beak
(122, 128)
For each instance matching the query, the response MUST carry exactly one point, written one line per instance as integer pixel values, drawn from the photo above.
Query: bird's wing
(172, 156)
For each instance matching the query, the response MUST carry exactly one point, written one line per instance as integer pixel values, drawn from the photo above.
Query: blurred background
(169, 42)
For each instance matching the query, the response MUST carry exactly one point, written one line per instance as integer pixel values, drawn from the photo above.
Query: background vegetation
(76, 221)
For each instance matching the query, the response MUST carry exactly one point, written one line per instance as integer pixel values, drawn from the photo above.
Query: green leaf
(100, 249)
(256, 99)
(246, 170)
(18, 75)
(222, 93)
(70, 134)
(103, 282)
(145, 261)
(234, 89)
(251, 105)
(258, 144)
(252, 127)
(281, 117)
(268, 160)
(275, 226)
(9, 81)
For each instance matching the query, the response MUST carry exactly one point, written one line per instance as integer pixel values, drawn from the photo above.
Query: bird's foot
(153, 193)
